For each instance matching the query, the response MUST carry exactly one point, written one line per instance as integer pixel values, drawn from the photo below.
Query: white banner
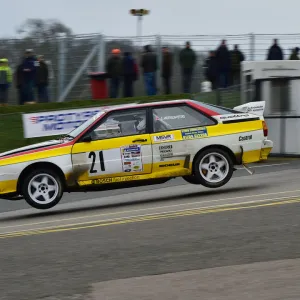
(58, 122)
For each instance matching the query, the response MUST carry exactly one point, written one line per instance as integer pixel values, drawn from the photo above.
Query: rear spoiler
(255, 108)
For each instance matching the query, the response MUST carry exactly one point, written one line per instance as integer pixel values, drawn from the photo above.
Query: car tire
(42, 189)
(213, 168)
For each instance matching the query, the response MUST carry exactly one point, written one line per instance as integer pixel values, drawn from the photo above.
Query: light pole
(139, 13)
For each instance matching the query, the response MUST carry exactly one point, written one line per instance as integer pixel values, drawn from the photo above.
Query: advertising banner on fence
(58, 122)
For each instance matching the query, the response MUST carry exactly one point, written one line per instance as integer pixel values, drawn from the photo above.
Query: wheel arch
(218, 146)
(42, 164)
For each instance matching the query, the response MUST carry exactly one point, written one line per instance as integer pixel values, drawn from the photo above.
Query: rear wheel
(213, 168)
(42, 189)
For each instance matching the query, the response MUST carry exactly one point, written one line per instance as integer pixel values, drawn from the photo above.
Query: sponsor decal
(131, 157)
(163, 138)
(234, 116)
(254, 108)
(245, 138)
(169, 165)
(166, 151)
(102, 180)
(171, 117)
(110, 180)
(194, 133)
(165, 147)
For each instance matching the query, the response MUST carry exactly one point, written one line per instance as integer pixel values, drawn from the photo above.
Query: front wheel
(42, 189)
(213, 168)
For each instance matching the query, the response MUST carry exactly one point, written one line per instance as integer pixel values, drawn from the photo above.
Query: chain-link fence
(72, 57)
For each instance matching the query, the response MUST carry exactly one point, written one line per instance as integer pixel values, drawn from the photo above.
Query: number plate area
(104, 162)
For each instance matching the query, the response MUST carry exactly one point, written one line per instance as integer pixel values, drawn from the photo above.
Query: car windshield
(75, 132)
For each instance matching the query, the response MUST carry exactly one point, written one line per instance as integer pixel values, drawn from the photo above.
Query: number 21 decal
(93, 156)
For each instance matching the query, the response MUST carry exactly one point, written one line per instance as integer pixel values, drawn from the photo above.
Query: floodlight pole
(139, 24)
(139, 13)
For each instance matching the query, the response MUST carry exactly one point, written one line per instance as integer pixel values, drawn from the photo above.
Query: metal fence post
(61, 63)
(79, 72)
(252, 46)
(101, 54)
(159, 59)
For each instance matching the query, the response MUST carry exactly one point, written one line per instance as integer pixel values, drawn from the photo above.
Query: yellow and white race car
(137, 145)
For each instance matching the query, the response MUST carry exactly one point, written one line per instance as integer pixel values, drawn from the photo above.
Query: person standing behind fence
(275, 52)
(294, 54)
(114, 70)
(29, 67)
(129, 74)
(19, 82)
(224, 64)
(187, 61)
(42, 77)
(5, 80)
(211, 70)
(237, 57)
(166, 69)
(149, 66)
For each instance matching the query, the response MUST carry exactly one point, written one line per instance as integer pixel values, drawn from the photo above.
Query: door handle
(139, 140)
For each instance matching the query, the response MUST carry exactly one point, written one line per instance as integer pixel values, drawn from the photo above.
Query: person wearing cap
(5, 80)
(114, 70)
(29, 67)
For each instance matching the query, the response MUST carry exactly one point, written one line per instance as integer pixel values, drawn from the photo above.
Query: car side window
(177, 117)
(121, 123)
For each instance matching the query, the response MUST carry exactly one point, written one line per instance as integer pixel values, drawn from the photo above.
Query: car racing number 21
(94, 168)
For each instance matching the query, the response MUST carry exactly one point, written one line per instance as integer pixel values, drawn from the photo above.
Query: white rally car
(138, 145)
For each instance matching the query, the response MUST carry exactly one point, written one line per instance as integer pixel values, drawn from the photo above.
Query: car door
(176, 136)
(119, 149)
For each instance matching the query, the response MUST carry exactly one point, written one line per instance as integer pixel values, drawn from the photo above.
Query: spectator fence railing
(74, 56)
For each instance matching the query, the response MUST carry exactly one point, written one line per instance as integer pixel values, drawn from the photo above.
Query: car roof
(158, 103)
(197, 105)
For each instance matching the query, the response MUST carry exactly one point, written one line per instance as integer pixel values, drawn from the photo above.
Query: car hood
(38, 146)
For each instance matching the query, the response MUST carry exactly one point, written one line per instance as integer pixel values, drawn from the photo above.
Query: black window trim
(104, 119)
(178, 105)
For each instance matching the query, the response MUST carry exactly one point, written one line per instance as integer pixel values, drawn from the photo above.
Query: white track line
(151, 208)
(154, 214)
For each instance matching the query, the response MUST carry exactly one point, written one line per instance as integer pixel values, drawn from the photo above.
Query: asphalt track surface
(171, 241)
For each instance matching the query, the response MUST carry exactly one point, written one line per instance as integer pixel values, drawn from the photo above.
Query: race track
(181, 241)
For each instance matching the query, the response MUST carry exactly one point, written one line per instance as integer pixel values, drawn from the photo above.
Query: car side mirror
(87, 139)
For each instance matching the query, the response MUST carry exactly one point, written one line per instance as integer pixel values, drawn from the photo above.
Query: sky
(177, 17)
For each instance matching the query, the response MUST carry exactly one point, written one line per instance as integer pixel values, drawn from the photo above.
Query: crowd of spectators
(124, 70)
(221, 68)
(30, 78)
